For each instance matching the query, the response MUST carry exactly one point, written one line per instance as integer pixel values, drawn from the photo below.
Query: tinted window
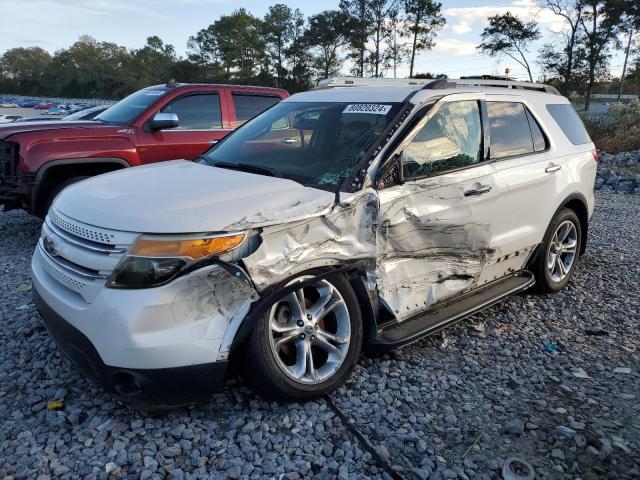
(452, 138)
(130, 108)
(248, 106)
(539, 141)
(197, 112)
(509, 128)
(570, 123)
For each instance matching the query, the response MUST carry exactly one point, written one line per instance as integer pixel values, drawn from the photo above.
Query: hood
(185, 197)
(9, 129)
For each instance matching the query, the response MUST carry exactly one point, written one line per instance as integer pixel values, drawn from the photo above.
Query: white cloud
(460, 28)
(452, 46)
(524, 9)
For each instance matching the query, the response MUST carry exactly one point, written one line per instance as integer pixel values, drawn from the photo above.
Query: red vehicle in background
(44, 106)
(163, 122)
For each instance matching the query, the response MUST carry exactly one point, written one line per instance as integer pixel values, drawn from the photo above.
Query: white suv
(347, 216)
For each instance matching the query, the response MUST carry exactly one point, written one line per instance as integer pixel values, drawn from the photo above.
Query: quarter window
(452, 138)
(197, 112)
(248, 106)
(539, 141)
(570, 123)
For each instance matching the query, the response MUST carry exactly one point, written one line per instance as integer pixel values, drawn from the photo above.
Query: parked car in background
(44, 106)
(85, 113)
(28, 103)
(54, 111)
(10, 118)
(338, 219)
(8, 105)
(163, 122)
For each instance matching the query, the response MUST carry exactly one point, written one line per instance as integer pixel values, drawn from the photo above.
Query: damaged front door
(434, 230)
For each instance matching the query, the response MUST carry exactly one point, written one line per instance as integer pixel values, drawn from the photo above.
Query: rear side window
(509, 128)
(539, 140)
(570, 123)
(248, 106)
(197, 112)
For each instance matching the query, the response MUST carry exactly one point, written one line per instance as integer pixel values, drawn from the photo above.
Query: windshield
(315, 144)
(128, 109)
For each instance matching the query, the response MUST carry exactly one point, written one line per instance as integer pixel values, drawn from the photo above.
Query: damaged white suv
(343, 217)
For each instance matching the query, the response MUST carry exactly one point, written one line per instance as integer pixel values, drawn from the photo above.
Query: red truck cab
(158, 123)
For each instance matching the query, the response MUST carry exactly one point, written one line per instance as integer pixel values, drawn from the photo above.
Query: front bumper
(144, 388)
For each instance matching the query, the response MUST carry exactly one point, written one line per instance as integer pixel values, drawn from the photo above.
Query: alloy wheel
(562, 251)
(310, 332)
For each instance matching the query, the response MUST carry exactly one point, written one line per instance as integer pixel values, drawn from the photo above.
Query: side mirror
(164, 120)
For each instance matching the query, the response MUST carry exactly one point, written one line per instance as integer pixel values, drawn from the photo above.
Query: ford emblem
(50, 246)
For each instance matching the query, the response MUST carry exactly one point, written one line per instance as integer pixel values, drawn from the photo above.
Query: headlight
(153, 260)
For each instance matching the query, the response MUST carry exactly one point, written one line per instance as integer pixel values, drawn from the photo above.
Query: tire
(276, 372)
(553, 278)
(51, 196)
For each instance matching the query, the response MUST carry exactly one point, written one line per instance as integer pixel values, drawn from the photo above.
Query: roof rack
(435, 84)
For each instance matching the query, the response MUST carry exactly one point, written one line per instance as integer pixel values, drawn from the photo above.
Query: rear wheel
(307, 343)
(559, 252)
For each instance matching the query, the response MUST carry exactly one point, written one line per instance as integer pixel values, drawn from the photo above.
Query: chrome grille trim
(73, 239)
(81, 230)
(71, 268)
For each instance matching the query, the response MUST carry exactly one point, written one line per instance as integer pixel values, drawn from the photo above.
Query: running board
(450, 311)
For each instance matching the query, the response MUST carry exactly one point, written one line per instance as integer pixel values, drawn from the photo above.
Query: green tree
(397, 50)
(240, 45)
(298, 54)
(564, 65)
(358, 26)
(380, 13)
(278, 29)
(424, 19)
(327, 35)
(25, 68)
(600, 24)
(507, 35)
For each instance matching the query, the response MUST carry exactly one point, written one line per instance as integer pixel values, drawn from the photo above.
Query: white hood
(186, 197)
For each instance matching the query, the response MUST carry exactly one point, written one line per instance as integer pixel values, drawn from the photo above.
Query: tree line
(366, 37)
(580, 54)
(283, 49)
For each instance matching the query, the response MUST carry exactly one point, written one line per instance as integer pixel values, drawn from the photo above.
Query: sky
(54, 24)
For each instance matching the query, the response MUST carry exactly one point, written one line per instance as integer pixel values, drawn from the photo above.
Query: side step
(450, 311)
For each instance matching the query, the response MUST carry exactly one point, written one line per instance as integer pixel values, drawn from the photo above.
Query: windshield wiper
(245, 167)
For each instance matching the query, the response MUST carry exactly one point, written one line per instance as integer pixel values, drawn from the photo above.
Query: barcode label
(374, 108)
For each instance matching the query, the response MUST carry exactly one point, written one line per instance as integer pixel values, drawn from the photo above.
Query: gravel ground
(413, 414)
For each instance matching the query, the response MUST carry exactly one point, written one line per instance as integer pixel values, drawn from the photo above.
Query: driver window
(452, 138)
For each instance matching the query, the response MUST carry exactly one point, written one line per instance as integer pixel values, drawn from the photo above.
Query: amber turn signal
(194, 248)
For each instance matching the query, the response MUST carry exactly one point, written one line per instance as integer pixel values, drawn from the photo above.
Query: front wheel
(307, 343)
(559, 252)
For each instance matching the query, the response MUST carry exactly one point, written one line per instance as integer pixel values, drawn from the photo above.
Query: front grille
(81, 230)
(9, 156)
(79, 256)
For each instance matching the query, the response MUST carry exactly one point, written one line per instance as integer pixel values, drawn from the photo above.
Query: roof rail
(373, 82)
(435, 84)
(498, 82)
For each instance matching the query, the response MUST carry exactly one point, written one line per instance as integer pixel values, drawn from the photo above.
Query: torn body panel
(348, 232)
(433, 242)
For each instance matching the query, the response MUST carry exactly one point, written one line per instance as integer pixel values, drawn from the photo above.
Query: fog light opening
(126, 384)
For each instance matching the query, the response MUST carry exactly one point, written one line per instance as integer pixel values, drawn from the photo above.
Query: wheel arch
(356, 274)
(578, 203)
(51, 173)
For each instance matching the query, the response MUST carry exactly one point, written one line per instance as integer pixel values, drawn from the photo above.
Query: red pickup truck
(163, 122)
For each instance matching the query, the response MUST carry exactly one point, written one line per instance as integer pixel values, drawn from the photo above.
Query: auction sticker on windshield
(374, 108)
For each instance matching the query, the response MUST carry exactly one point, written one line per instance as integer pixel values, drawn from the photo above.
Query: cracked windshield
(315, 144)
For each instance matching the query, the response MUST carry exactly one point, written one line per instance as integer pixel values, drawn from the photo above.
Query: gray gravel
(414, 414)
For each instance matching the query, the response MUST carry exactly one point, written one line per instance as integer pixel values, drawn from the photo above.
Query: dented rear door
(435, 227)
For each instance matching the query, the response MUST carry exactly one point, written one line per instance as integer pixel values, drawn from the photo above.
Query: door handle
(552, 168)
(289, 140)
(477, 191)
